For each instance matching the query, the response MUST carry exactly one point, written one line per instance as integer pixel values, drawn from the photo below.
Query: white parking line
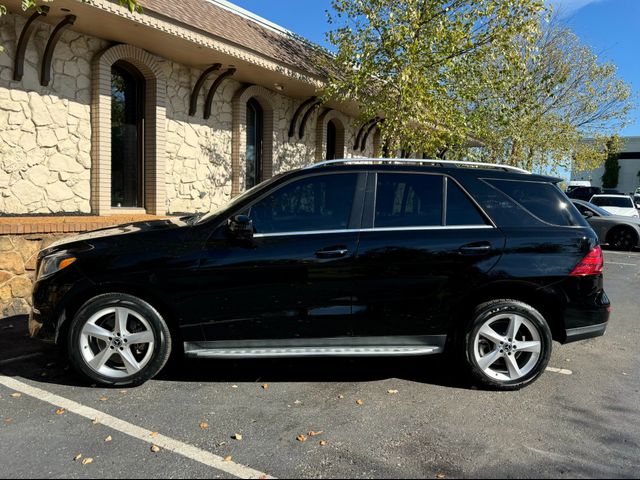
(561, 371)
(622, 264)
(19, 359)
(169, 444)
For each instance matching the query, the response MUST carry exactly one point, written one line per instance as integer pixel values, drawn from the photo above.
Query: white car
(622, 205)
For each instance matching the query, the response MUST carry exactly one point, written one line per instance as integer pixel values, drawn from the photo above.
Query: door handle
(476, 249)
(332, 252)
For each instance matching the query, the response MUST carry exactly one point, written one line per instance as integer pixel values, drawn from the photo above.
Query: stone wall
(18, 255)
(45, 133)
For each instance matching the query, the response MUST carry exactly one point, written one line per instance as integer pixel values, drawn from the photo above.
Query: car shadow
(21, 356)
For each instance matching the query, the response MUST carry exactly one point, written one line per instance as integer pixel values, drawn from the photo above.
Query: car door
(426, 245)
(293, 279)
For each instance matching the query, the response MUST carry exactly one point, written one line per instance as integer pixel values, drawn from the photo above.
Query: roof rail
(402, 161)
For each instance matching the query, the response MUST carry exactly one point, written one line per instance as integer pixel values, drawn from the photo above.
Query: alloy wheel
(507, 347)
(117, 342)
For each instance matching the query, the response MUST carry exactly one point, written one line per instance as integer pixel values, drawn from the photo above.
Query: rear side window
(543, 200)
(406, 200)
(310, 204)
(460, 209)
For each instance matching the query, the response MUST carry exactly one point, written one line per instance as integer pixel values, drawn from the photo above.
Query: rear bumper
(584, 333)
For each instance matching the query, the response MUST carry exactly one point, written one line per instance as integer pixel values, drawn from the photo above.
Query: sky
(610, 27)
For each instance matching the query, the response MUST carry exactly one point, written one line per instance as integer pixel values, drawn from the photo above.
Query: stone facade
(48, 161)
(18, 255)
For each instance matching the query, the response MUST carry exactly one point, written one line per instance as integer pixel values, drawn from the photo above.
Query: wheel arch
(545, 300)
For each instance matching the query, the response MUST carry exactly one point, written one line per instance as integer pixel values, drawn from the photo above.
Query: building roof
(242, 29)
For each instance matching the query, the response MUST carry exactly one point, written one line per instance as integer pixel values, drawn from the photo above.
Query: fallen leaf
(265, 386)
(263, 477)
(8, 420)
(108, 439)
(87, 461)
(155, 448)
(77, 457)
(228, 458)
(315, 434)
(95, 421)
(441, 476)
(60, 411)
(301, 438)
(124, 392)
(204, 425)
(393, 392)
(234, 386)
(154, 434)
(237, 437)
(341, 397)
(360, 402)
(16, 395)
(323, 443)
(104, 399)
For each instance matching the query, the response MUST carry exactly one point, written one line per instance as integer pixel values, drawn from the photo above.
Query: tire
(623, 239)
(520, 360)
(101, 336)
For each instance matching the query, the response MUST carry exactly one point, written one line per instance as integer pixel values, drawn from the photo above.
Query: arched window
(332, 138)
(255, 140)
(127, 136)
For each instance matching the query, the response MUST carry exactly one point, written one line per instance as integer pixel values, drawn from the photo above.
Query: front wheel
(118, 339)
(507, 345)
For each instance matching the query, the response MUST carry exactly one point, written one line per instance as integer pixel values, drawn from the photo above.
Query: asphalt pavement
(368, 418)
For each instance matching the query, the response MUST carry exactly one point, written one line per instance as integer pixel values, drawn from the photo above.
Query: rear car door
(424, 243)
(293, 280)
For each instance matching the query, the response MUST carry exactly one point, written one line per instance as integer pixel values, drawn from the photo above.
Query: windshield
(600, 211)
(616, 202)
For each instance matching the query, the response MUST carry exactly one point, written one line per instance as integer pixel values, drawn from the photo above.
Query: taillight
(592, 264)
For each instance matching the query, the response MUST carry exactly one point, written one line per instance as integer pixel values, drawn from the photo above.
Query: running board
(310, 352)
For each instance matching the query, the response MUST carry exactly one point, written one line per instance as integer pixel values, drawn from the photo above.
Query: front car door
(424, 243)
(293, 280)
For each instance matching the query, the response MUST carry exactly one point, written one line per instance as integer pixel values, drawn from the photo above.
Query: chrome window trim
(374, 230)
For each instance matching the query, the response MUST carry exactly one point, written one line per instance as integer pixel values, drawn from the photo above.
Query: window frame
(355, 217)
(372, 199)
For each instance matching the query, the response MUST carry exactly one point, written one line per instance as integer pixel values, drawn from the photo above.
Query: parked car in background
(636, 198)
(621, 233)
(622, 205)
(355, 258)
(583, 193)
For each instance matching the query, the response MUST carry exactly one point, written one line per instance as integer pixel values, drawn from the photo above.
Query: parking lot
(359, 418)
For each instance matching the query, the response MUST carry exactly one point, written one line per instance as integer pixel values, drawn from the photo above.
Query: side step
(310, 352)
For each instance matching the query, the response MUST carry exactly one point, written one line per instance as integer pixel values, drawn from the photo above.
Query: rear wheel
(507, 346)
(118, 339)
(624, 238)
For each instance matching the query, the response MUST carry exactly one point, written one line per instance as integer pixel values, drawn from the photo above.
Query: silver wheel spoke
(515, 322)
(140, 338)
(514, 368)
(489, 359)
(490, 334)
(121, 320)
(130, 363)
(99, 360)
(532, 347)
(97, 332)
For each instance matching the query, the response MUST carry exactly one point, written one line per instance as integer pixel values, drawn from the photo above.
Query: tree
(611, 176)
(412, 61)
(540, 117)
(33, 4)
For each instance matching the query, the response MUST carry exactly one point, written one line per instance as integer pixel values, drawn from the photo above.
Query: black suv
(346, 258)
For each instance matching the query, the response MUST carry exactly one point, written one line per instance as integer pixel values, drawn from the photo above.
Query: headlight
(54, 263)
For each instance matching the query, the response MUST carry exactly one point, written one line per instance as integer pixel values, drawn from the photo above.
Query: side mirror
(241, 226)
(588, 214)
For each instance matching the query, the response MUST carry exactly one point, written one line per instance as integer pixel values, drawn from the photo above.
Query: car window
(408, 200)
(309, 204)
(583, 209)
(616, 202)
(460, 209)
(544, 200)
